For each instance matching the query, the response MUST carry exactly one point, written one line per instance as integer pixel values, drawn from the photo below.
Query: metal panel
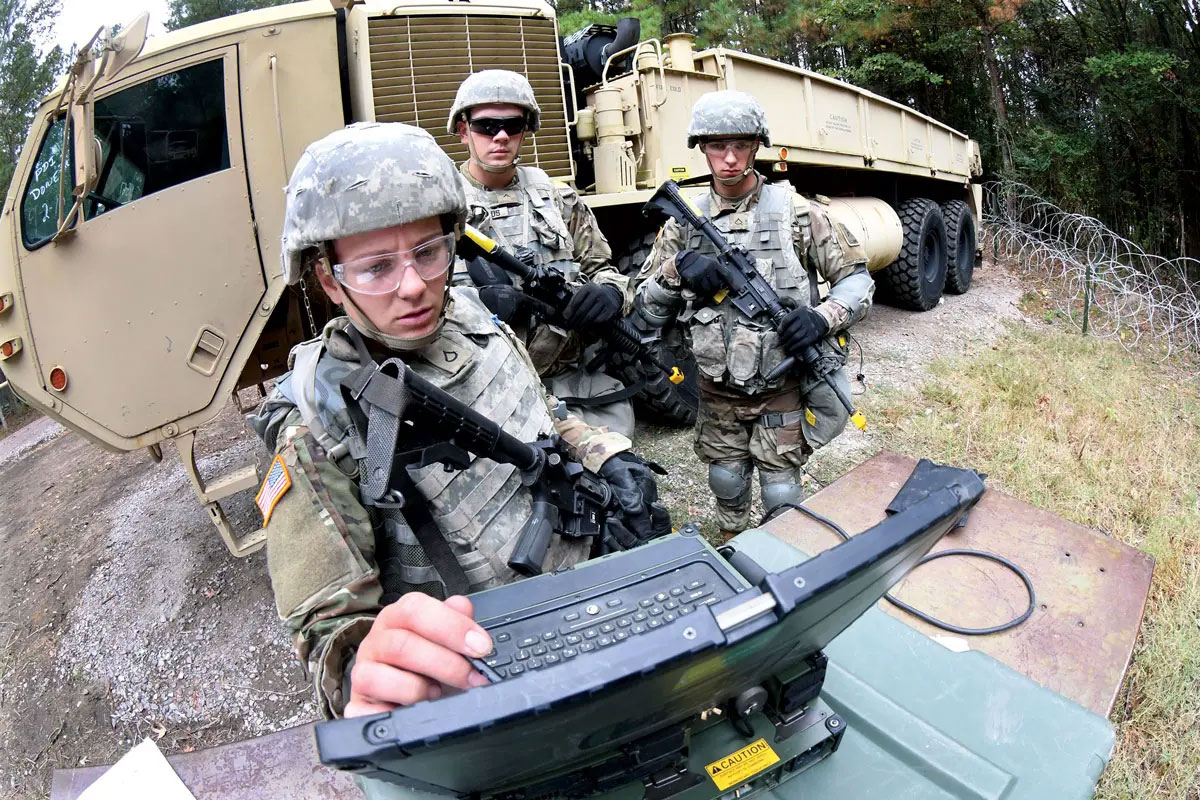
(417, 63)
(1091, 590)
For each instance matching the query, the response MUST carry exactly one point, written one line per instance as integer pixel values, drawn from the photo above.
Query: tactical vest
(479, 510)
(525, 214)
(729, 348)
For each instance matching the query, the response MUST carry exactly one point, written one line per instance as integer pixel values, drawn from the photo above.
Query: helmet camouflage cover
(495, 86)
(367, 176)
(728, 113)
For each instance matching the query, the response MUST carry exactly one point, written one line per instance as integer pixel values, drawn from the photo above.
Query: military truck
(141, 286)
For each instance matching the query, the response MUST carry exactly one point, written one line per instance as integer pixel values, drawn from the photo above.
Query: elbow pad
(854, 292)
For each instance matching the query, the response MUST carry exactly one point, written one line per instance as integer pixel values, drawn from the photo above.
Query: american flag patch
(274, 487)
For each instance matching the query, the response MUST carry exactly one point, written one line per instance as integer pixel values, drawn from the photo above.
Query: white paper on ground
(142, 774)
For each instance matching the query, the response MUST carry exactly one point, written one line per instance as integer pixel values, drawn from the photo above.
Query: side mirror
(126, 46)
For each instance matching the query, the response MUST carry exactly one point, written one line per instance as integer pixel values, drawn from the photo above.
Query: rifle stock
(566, 498)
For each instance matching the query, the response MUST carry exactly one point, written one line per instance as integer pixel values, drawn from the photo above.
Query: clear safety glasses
(719, 147)
(382, 273)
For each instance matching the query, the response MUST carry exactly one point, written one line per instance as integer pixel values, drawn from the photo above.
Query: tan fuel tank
(874, 223)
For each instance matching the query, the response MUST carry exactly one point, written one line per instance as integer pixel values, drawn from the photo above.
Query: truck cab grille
(417, 63)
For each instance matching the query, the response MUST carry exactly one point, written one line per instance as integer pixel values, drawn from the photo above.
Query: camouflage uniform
(744, 421)
(547, 218)
(320, 536)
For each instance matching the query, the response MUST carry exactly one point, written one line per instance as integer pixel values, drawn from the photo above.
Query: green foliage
(580, 15)
(26, 74)
(890, 74)
(182, 13)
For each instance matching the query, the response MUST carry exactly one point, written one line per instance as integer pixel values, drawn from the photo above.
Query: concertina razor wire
(1133, 294)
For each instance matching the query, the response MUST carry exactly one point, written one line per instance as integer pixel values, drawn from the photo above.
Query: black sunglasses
(490, 126)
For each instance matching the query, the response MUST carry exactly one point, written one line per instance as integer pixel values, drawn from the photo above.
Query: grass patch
(1078, 426)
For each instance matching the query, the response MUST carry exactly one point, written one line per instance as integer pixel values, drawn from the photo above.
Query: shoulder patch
(274, 486)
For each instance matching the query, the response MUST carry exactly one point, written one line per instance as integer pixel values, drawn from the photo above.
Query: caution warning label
(737, 767)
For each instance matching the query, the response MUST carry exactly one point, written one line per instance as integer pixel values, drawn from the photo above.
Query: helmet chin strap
(488, 167)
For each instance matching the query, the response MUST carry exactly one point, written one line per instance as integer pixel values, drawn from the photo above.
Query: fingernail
(477, 679)
(479, 643)
(434, 692)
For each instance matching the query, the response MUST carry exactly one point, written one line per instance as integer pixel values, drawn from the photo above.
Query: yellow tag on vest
(741, 765)
(274, 486)
(810, 417)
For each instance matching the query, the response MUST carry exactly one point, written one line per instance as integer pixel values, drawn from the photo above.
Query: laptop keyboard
(585, 626)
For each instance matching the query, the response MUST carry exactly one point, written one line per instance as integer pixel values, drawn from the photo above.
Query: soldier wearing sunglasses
(374, 211)
(745, 422)
(545, 223)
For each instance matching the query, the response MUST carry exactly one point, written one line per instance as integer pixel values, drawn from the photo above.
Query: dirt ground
(123, 616)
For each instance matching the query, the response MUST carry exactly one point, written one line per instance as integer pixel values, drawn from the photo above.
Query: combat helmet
(367, 176)
(727, 113)
(495, 86)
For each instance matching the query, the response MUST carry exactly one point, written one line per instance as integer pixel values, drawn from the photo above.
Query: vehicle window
(39, 203)
(158, 134)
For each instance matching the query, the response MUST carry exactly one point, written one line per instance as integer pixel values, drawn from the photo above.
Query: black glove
(698, 273)
(485, 273)
(800, 328)
(640, 517)
(593, 304)
(506, 302)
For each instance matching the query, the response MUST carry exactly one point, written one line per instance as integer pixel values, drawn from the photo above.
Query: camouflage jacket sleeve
(839, 260)
(591, 249)
(591, 446)
(659, 294)
(321, 558)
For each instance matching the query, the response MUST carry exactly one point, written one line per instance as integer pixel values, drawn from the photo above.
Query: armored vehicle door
(142, 303)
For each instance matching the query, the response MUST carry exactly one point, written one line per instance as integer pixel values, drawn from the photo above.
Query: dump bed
(820, 120)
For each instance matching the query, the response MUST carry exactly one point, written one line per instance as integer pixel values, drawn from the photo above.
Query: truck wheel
(962, 239)
(630, 261)
(660, 400)
(916, 278)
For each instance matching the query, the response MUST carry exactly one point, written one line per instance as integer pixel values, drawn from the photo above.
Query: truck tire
(660, 400)
(916, 278)
(630, 261)
(961, 239)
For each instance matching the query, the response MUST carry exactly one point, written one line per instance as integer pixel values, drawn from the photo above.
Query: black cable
(946, 626)
(861, 376)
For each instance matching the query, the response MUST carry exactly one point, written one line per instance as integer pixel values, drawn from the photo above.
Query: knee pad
(730, 482)
(779, 488)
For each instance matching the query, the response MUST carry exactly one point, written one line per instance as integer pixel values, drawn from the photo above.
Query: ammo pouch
(824, 416)
(733, 350)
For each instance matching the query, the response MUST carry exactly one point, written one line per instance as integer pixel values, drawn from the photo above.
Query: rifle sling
(608, 398)
(384, 399)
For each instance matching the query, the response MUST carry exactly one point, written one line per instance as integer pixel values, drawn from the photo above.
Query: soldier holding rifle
(375, 211)
(546, 224)
(748, 416)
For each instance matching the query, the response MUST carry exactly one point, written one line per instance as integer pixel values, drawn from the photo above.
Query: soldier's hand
(640, 517)
(593, 304)
(800, 328)
(485, 273)
(506, 302)
(416, 648)
(698, 273)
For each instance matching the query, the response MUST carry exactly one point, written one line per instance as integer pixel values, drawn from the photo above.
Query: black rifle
(748, 290)
(549, 294)
(567, 499)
